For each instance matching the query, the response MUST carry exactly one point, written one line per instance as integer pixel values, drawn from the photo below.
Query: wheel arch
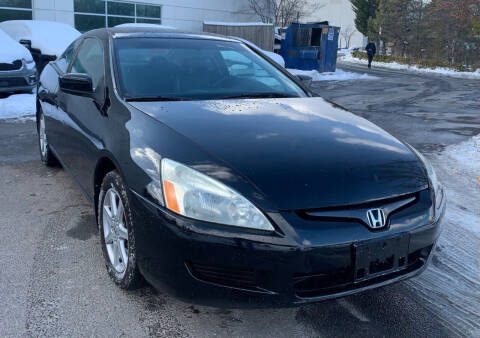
(105, 164)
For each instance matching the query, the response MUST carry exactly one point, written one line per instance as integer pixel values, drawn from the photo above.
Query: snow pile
(21, 106)
(348, 50)
(394, 65)
(52, 38)
(144, 25)
(467, 154)
(274, 56)
(459, 166)
(338, 75)
(11, 50)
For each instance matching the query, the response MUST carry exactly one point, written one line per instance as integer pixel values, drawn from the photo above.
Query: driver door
(87, 115)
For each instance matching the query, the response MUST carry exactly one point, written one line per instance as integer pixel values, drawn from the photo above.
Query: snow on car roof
(52, 38)
(11, 50)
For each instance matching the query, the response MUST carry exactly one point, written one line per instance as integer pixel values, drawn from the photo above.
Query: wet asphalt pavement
(53, 281)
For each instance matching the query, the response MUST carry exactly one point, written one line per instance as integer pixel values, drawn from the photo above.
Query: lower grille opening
(225, 276)
(13, 82)
(419, 254)
(311, 284)
(327, 283)
(16, 65)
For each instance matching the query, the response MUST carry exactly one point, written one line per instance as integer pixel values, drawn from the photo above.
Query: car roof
(126, 32)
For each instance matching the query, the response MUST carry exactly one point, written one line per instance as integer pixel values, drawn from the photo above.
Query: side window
(67, 56)
(90, 61)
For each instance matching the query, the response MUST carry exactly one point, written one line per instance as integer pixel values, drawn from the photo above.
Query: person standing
(371, 51)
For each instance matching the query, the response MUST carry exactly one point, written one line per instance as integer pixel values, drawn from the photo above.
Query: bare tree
(284, 12)
(347, 35)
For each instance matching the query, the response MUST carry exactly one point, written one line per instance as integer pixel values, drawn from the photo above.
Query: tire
(46, 154)
(116, 230)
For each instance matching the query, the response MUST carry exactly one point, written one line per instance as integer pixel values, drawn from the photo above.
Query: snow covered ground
(452, 280)
(394, 65)
(19, 107)
(338, 75)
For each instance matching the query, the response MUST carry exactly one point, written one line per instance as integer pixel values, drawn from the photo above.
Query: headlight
(192, 194)
(435, 186)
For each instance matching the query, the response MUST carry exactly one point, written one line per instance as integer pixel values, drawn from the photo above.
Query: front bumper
(23, 79)
(296, 265)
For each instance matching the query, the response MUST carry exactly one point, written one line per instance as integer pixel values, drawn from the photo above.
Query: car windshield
(167, 69)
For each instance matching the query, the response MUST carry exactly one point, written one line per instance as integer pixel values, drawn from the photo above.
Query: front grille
(13, 82)
(16, 65)
(331, 282)
(358, 213)
(226, 276)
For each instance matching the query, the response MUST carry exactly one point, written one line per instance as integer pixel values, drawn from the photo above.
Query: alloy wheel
(43, 136)
(115, 231)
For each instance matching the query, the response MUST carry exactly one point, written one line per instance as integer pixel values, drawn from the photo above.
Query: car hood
(300, 153)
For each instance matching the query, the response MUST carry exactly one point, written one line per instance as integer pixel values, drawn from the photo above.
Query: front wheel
(46, 154)
(117, 232)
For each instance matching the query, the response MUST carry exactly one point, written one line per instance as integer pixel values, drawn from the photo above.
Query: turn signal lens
(170, 196)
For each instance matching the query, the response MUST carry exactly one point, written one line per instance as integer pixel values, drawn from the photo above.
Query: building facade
(89, 14)
(339, 13)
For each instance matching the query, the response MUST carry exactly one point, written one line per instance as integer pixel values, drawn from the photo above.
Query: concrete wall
(338, 13)
(183, 14)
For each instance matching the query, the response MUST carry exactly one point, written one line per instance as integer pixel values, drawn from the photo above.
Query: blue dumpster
(311, 47)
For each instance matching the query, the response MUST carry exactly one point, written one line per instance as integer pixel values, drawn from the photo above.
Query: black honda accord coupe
(209, 166)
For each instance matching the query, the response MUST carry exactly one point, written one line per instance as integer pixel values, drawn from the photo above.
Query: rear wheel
(46, 154)
(117, 232)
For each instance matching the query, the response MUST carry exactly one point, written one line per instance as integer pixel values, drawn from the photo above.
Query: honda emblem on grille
(376, 218)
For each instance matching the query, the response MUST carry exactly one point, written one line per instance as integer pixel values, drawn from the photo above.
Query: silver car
(18, 72)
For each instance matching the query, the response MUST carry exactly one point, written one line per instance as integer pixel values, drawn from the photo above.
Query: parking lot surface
(53, 280)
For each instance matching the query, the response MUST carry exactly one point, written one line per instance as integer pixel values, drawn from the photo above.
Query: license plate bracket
(377, 257)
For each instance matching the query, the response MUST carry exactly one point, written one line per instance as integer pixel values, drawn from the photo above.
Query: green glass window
(16, 3)
(88, 22)
(121, 8)
(118, 12)
(154, 21)
(115, 20)
(12, 14)
(90, 6)
(148, 11)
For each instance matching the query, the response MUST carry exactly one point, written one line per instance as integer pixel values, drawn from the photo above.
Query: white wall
(54, 10)
(183, 14)
(190, 14)
(338, 13)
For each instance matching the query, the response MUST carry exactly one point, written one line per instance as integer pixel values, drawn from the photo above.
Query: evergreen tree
(365, 10)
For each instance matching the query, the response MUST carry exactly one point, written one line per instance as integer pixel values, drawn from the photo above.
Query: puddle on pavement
(85, 228)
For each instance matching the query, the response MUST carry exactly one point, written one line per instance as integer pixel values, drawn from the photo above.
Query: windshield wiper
(257, 96)
(156, 98)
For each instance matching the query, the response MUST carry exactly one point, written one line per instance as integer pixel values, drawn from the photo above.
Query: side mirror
(26, 43)
(307, 80)
(76, 84)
